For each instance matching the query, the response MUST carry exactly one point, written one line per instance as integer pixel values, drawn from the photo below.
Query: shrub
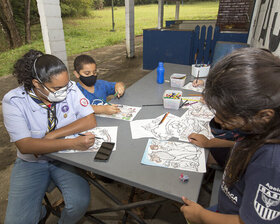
(75, 7)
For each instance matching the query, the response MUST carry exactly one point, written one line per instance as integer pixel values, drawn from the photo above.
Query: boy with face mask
(96, 91)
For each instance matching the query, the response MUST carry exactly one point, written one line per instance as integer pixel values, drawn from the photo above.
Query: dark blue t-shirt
(102, 89)
(256, 196)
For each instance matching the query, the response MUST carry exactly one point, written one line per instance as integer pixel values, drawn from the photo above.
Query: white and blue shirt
(24, 118)
(102, 89)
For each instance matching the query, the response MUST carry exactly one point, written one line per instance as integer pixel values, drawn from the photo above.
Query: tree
(8, 22)
(27, 21)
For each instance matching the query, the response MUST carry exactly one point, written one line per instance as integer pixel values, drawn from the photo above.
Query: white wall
(52, 28)
(265, 26)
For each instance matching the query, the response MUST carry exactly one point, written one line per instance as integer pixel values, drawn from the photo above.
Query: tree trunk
(6, 31)
(27, 21)
(7, 17)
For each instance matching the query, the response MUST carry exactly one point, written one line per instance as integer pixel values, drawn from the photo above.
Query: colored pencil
(183, 103)
(149, 105)
(194, 94)
(190, 103)
(162, 120)
(115, 95)
(197, 77)
(94, 137)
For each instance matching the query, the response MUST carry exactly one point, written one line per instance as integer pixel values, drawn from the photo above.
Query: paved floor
(113, 66)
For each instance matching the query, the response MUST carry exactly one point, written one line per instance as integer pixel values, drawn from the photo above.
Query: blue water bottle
(160, 73)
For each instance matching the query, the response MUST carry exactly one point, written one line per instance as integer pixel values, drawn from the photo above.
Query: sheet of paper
(198, 110)
(127, 113)
(138, 130)
(189, 86)
(192, 125)
(151, 128)
(175, 155)
(107, 134)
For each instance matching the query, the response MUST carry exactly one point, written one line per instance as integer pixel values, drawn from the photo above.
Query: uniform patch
(64, 108)
(84, 102)
(267, 203)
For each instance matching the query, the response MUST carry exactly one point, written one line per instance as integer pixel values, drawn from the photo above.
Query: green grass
(84, 34)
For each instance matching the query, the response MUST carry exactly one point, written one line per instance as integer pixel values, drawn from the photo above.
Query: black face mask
(88, 81)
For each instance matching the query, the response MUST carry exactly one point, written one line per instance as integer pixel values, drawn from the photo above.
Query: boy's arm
(202, 141)
(119, 88)
(106, 109)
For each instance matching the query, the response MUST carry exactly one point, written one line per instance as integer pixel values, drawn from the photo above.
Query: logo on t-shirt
(267, 202)
(97, 102)
(84, 102)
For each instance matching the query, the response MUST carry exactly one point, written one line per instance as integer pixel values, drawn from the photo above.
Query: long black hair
(37, 65)
(241, 85)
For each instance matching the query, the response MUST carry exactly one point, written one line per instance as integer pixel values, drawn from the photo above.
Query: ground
(113, 66)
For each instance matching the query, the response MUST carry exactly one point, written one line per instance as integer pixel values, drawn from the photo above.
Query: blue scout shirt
(24, 118)
(102, 89)
(256, 196)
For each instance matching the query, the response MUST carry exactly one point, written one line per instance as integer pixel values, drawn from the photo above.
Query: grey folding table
(124, 164)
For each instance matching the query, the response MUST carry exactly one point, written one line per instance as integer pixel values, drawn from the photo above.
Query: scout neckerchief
(52, 120)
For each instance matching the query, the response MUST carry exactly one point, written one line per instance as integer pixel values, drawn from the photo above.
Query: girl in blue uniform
(38, 114)
(244, 90)
(96, 90)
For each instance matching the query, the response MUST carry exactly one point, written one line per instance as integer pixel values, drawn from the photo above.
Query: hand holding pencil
(119, 89)
(197, 83)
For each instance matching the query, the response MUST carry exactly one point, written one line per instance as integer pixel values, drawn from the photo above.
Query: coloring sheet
(107, 134)
(152, 128)
(192, 125)
(137, 129)
(199, 111)
(127, 113)
(176, 155)
(189, 86)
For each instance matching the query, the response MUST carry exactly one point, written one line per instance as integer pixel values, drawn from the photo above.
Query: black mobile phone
(104, 151)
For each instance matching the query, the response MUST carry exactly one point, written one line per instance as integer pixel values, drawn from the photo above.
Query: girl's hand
(202, 100)
(119, 89)
(191, 211)
(199, 140)
(111, 109)
(82, 143)
(197, 83)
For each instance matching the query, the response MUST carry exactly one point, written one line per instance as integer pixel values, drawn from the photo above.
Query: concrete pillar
(177, 10)
(52, 28)
(129, 28)
(160, 14)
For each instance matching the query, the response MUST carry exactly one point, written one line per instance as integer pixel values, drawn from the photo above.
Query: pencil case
(203, 70)
(178, 80)
(172, 102)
